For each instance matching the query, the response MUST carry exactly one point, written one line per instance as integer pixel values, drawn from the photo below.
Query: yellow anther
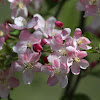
(79, 42)
(29, 44)
(28, 66)
(21, 5)
(77, 59)
(1, 33)
(63, 52)
(57, 71)
(92, 2)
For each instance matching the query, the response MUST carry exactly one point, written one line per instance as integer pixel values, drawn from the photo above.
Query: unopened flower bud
(59, 24)
(43, 42)
(46, 60)
(37, 47)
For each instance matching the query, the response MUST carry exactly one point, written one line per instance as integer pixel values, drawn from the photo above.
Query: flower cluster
(66, 53)
(91, 7)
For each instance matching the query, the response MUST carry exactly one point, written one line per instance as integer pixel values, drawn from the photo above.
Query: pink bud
(37, 47)
(46, 60)
(59, 24)
(43, 42)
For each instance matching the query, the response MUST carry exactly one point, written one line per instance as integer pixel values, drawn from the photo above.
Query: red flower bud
(37, 47)
(46, 60)
(59, 24)
(43, 42)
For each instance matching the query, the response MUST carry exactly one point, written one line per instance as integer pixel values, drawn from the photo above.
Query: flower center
(21, 5)
(29, 44)
(92, 2)
(76, 59)
(1, 33)
(57, 71)
(28, 66)
(63, 52)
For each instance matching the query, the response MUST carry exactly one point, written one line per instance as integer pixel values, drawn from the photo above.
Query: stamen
(76, 59)
(1, 33)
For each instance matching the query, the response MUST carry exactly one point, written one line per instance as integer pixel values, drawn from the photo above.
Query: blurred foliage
(81, 97)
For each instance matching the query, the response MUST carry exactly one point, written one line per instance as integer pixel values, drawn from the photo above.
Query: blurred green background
(39, 90)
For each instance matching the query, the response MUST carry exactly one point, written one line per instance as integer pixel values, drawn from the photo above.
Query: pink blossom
(20, 23)
(58, 72)
(76, 57)
(80, 42)
(37, 4)
(91, 7)
(27, 40)
(19, 8)
(7, 81)
(47, 26)
(4, 34)
(27, 63)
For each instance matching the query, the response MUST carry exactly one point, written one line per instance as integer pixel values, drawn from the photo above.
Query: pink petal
(32, 22)
(27, 76)
(69, 41)
(85, 40)
(83, 64)
(90, 10)
(24, 35)
(50, 22)
(17, 27)
(20, 47)
(63, 80)
(71, 51)
(52, 80)
(13, 82)
(17, 66)
(82, 54)
(37, 67)
(4, 91)
(36, 36)
(41, 22)
(58, 39)
(75, 68)
(47, 69)
(85, 47)
(77, 33)
(65, 33)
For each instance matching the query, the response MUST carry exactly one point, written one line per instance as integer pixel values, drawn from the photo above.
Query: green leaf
(99, 46)
(81, 97)
(15, 32)
(96, 74)
(90, 51)
(88, 35)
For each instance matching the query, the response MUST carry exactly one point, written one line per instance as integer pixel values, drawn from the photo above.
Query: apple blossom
(58, 72)
(20, 23)
(80, 42)
(7, 81)
(76, 57)
(27, 63)
(27, 40)
(19, 8)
